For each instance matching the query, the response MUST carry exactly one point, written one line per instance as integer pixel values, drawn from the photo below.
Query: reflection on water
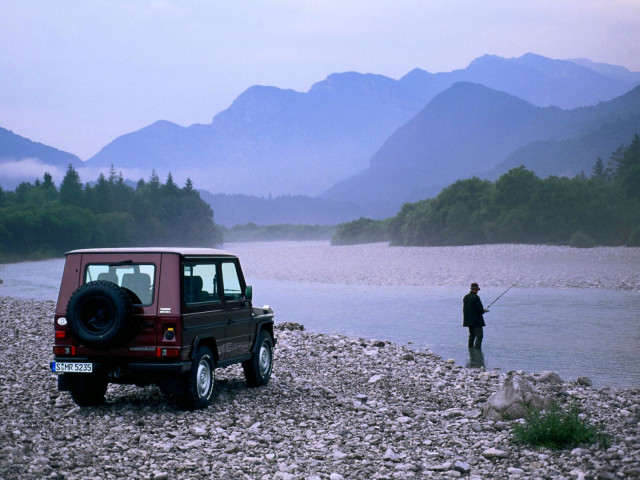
(476, 358)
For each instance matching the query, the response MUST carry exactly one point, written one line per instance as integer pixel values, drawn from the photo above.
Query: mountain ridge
(331, 131)
(471, 130)
(15, 147)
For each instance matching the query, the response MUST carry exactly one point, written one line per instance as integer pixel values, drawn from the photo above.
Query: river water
(574, 311)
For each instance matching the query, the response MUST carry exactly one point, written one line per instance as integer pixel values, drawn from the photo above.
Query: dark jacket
(472, 310)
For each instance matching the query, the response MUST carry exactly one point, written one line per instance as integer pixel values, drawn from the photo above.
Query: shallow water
(576, 332)
(415, 295)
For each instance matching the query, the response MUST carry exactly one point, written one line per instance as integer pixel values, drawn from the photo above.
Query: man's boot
(478, 344)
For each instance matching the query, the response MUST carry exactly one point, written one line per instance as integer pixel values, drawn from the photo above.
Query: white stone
(494, 453)
(390, 455)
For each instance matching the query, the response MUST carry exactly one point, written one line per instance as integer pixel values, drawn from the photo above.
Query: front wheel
(257, 370)
(200, 381)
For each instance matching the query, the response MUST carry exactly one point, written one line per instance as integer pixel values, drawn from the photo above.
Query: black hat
(474, 286)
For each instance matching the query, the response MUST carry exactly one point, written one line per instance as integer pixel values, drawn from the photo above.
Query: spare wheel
(100, 314)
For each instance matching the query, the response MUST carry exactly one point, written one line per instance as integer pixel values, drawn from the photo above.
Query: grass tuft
(558, 428)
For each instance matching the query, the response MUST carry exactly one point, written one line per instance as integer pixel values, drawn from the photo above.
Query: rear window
(137, 278)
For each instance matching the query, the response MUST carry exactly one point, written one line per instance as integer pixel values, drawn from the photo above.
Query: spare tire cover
(100, 314)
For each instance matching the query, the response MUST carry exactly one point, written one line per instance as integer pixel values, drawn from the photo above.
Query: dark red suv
(164, 316)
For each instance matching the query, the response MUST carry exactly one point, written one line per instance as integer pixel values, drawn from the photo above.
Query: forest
(40, 220)
(583, 211)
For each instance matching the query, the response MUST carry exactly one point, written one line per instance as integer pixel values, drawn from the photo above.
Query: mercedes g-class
(163, 316)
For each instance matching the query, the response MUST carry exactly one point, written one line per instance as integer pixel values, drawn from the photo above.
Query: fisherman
(473, 311)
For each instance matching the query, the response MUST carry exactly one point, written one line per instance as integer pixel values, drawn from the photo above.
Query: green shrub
(558, 428)
(634, 238)
(581, 240)
(363, 230)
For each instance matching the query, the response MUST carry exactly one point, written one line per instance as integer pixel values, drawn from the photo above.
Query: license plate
(76, 367)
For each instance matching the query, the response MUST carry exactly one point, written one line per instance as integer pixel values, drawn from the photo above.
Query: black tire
(87, 390)
(200, 381)
(258, 369)
(100, 314)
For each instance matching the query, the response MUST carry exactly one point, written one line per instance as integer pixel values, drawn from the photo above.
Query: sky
(76, 74)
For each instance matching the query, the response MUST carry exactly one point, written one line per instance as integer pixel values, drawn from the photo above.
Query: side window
(200, 283)
(231, 281)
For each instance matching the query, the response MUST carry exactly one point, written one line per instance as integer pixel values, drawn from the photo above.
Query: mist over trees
(38, 220)
(520, 207)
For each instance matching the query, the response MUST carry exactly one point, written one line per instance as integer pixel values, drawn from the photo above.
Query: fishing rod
(498, 298)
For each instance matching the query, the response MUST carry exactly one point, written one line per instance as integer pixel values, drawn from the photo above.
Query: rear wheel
(200, 381)
(87, 390)
(257, 370)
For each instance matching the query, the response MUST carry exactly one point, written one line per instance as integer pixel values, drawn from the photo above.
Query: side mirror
(248, 292)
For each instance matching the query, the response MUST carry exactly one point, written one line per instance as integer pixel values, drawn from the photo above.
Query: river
(574, 311)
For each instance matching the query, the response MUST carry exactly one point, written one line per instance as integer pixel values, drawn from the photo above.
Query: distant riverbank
(528, 266)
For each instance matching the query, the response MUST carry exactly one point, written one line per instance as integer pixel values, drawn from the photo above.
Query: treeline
(39, 220)
(363, 230)
(251, 232)
(519, 207)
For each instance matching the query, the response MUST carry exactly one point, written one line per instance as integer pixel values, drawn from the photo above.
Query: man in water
(473, 311)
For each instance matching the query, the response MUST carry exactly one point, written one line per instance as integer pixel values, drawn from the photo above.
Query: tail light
(64, 350)
(167, 352)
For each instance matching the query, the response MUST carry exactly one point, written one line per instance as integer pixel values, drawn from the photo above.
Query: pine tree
(71, 192)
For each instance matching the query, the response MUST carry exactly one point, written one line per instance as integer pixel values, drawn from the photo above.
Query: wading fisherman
(473, 311)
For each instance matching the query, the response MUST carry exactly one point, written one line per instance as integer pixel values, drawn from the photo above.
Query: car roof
(184, 251)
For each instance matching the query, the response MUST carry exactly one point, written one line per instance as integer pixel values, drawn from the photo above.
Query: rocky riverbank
(336, 408)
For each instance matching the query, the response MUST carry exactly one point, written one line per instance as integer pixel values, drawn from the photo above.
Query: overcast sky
(75, 74)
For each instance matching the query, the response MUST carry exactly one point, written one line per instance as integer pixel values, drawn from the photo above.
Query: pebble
(340, 414)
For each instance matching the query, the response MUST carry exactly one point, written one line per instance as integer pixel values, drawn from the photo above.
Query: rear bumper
(121, 371)
(159, 368)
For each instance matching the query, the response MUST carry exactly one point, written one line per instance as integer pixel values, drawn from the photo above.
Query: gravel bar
(336, 408)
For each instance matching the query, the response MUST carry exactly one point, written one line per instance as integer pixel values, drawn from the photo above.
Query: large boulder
(552, 378)
(514, 400)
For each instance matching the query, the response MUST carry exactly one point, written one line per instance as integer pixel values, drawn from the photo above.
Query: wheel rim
(203, 379)
(96, 315)
(264, 359)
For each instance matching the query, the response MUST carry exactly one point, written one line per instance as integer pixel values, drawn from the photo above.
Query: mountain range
(471, 130)
(362, 144)
(303, 143)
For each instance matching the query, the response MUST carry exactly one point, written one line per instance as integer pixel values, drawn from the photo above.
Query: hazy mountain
(472, 130)
(612, 71)
(286, 142)
(23, 160)
(230, 210)
(599, 131)
(539, 80)
(14, 147)
(275, 141)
